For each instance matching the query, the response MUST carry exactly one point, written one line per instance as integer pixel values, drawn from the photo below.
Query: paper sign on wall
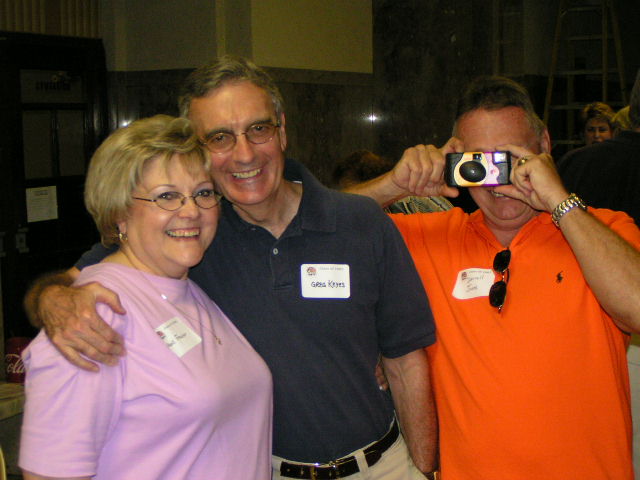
(42, 204)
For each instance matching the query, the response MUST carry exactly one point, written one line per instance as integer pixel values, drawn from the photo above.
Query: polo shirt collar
(318, 208)
(477, 221)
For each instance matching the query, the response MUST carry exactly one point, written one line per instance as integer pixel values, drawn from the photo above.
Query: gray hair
(225, 70)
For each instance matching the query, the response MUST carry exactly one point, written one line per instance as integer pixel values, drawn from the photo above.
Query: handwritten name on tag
(325, 280)
(178, 336)
(473, 282)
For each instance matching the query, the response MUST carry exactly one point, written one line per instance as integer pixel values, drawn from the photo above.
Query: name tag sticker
(178, 336)
(473, 282)
(325, 280)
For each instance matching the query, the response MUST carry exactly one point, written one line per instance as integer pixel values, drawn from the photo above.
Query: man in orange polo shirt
(533, 296)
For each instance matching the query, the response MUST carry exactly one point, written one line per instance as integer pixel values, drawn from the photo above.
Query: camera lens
(472, 171)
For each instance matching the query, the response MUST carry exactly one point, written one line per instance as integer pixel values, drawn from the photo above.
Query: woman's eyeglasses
(171, 201)
(498, 291)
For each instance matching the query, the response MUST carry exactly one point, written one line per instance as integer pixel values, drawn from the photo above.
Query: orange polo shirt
(540, 390)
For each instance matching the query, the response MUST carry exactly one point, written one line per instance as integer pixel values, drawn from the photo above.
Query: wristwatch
(435, 475)
(565, 207)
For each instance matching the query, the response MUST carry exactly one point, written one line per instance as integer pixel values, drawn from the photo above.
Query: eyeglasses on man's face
(171, 201)
(498, 291)
(258, 133)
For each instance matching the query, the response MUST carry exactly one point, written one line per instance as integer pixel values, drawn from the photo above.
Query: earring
(122, 237)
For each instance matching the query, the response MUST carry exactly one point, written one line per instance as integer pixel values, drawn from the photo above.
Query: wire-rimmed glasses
(171, 201)
(223, 141)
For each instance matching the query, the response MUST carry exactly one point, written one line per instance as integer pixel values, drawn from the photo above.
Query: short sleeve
(68, 414)
(405, 321)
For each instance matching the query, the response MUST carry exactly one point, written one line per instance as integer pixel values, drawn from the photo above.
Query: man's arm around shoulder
(68, 315)
(55, 279)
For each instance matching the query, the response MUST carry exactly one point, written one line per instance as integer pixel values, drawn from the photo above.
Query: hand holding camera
(535, 179)
(420, 170)
(517, 172)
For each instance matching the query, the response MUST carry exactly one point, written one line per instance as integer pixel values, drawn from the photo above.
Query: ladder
(578, 63)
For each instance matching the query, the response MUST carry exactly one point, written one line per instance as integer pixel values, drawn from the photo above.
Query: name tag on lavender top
(325, 280)
(473, 282)
(178, 336)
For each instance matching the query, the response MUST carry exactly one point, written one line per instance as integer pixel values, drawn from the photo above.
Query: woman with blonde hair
(597, 118)
(191, 398)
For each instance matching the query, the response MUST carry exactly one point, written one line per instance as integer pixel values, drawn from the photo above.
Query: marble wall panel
(424, 54)
(134, 95)
(328, 116)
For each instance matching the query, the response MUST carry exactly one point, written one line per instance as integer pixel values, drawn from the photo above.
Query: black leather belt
(342, 467)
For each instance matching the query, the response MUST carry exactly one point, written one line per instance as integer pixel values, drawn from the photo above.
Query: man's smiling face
(249, 175)
(484, 130)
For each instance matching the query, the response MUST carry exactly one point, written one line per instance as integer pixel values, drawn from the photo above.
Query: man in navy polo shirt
(320, 282)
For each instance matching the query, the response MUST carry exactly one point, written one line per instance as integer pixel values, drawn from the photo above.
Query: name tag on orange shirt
(473, 283)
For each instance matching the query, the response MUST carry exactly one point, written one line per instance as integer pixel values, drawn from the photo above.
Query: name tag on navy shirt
(325, 280)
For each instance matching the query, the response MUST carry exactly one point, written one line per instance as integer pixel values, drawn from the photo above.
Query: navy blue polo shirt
(322, 351)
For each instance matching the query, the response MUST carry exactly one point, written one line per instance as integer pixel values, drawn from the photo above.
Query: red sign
(12, 359)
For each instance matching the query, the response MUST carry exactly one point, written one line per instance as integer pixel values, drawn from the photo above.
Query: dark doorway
(53, 114)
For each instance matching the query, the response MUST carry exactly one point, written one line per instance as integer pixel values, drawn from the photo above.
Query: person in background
(607, 175)
(533, 295)
(363, 165)
(320, 283)
(191, 399)
(621, 120)
(597, 121)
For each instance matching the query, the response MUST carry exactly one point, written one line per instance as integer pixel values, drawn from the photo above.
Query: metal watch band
(564, 207)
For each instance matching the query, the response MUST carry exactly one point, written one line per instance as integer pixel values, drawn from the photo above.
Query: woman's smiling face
(168, 243)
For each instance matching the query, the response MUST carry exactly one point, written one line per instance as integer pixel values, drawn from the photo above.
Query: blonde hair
(599, 111)
(117, 165)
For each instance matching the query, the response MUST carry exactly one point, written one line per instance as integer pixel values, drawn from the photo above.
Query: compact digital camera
(473, 169)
